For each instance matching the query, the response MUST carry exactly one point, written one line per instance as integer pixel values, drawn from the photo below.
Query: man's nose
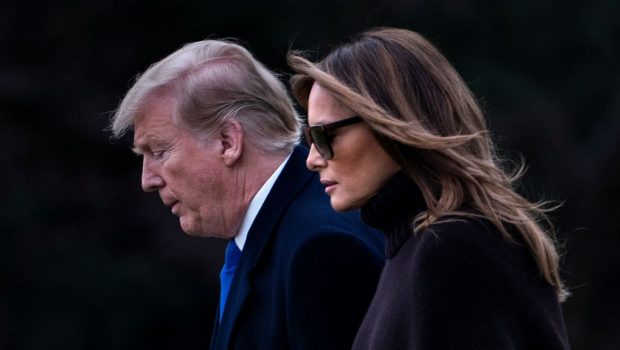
(315, 161)
(151, 181)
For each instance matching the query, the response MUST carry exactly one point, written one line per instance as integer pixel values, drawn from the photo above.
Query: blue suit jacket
(307, 274)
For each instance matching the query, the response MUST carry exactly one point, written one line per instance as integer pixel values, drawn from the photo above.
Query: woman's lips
(329, 185)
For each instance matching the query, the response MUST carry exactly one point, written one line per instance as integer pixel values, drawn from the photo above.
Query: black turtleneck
(456, 285)
(393, 209)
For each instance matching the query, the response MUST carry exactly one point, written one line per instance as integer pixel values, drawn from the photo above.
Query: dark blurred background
(88, 261)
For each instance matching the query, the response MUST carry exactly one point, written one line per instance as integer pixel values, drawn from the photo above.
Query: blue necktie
(231, 260)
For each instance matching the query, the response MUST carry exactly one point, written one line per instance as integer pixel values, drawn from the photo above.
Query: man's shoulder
(309, 216)
(311, 210)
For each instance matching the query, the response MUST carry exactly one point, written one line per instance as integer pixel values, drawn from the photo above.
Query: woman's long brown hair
(427, 119)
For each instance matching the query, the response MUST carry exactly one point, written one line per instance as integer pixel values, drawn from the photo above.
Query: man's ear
(231, 138)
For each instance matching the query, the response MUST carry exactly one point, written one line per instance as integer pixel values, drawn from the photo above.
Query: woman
(395, 131)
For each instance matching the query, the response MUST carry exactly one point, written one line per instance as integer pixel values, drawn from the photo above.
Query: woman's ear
(231, 138)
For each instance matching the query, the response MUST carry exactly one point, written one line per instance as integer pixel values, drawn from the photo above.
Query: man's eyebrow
(138, 149)
(146, 143)
(140, 145)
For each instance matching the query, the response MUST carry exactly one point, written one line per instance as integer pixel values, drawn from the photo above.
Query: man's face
(187, 171)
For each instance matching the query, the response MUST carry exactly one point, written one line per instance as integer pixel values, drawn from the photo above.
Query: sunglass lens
(320, 138)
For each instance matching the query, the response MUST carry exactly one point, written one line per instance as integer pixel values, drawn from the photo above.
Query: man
(219, 140)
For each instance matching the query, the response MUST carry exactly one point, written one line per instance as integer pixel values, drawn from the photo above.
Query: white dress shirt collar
(255, 205)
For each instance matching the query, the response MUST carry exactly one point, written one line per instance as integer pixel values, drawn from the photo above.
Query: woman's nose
(315, 161)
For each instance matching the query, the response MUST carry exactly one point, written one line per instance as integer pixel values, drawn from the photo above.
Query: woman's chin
(343, 206)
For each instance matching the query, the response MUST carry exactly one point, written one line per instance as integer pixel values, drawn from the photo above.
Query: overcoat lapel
(293, 178)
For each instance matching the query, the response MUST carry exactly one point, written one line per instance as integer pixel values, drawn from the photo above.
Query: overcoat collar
(291, 181)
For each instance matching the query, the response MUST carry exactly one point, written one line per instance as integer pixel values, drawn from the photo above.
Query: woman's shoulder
(472, 253)
(470, 278)
(459, 240)
(455, 229)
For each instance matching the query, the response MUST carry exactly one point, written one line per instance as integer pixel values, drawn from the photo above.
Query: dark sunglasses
(321, 137)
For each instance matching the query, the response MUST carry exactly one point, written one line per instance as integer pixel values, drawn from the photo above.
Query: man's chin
(190, 227)
(195, 227)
